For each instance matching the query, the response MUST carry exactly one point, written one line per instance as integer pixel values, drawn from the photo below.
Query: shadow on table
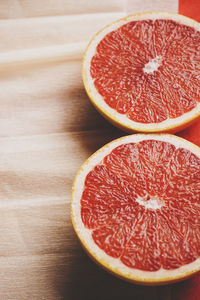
(79, 277)
(87, 281)
(80, 112)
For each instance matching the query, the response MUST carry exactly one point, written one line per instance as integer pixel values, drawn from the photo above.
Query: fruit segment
(142, 250)
(142, 205)
(149, 70)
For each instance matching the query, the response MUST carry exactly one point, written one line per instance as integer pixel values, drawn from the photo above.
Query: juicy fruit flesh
(116, 205)
(149, 70)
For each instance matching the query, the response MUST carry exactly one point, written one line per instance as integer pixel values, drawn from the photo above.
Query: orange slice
(136, 208)
(143, 72)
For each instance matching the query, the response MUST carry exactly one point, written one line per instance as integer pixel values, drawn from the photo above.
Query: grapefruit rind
(120, 120)
(109, 263)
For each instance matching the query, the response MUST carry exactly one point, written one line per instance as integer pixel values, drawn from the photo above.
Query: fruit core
(150, 202)
(152, 65)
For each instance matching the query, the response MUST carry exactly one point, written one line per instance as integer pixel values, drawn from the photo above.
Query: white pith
(98, 100)
(84, 234)
(151, 203)
(152, 65)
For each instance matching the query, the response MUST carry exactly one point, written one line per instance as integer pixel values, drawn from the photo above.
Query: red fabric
(192, 133)
(190, 8)
(189, 289)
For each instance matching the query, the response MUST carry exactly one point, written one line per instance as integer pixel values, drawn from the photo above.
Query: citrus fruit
(143, 72)
(136, 208)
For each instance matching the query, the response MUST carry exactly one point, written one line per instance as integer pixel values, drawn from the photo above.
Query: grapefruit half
(142, 72)
(136, 208)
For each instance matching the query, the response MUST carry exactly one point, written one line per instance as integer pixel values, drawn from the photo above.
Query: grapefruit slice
(136, 208)
(143, 72)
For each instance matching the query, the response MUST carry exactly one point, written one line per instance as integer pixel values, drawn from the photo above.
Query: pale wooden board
(46, 134)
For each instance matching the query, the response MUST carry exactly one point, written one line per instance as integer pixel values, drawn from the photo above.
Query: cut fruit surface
(143, 72)
(136, 208)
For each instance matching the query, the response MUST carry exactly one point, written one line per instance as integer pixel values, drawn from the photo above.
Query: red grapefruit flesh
(136, 208)
(143, 72)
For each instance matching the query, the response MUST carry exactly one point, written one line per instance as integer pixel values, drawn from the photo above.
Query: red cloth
(187, 290)
(190, 8)
(190, 289)
(192, 133)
